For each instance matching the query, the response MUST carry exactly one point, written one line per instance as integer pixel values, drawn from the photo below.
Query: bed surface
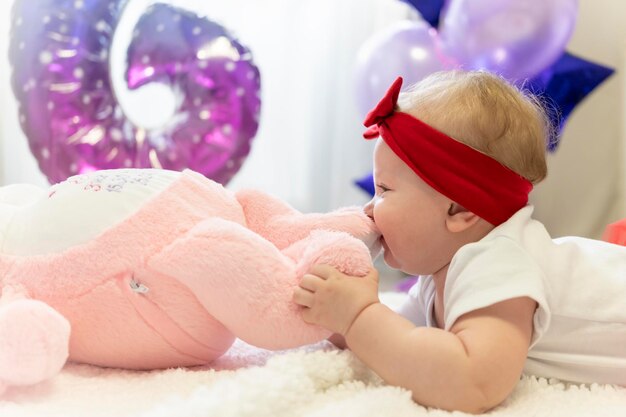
(316, 380)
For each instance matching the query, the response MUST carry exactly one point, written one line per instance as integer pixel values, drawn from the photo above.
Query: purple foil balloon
(409, 49)
(515, 38)
(68, 110)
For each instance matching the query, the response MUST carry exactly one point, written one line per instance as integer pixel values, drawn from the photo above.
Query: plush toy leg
(346, 253)
(246, 283)
(34, 340)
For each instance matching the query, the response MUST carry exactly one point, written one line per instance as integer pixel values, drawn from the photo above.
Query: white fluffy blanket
(314, 381)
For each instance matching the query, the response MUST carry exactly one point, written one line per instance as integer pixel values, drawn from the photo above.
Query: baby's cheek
(390, 259)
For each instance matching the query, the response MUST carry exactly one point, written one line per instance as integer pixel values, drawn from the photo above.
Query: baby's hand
(334, 300)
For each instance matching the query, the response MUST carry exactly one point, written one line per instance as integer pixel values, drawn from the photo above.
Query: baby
(454, 162)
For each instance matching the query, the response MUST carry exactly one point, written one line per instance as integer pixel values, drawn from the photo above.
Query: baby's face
(410, 215)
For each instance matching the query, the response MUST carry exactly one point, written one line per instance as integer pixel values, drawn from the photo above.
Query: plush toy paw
(361, 226)
(34, 342)
(349, 255)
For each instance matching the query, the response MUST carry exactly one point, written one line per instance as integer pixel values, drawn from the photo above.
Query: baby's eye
(382, 188)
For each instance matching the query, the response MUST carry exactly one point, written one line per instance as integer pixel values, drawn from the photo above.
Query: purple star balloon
(69, 111)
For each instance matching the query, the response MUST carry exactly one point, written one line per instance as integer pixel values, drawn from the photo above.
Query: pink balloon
(515, 38)
(409, 49)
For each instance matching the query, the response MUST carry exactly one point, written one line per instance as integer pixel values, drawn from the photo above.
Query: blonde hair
(487, 113)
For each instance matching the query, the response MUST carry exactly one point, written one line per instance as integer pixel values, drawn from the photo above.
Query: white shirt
(36, 221)
(579, 284)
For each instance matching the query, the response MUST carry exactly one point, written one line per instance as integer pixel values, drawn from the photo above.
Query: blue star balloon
(429, 9)
(565, 84)
(367, 184)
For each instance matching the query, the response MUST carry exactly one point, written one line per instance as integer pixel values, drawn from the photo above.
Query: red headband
(467, 176)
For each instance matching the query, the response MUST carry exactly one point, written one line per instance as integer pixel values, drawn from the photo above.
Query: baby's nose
(369, 209)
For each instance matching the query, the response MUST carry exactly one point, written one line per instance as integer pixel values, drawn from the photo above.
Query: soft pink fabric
(210, 277)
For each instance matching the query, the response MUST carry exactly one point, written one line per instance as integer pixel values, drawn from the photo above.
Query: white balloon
(515, 38)
(409, 49)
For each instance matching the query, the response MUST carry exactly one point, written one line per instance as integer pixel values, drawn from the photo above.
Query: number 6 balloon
(69, 111)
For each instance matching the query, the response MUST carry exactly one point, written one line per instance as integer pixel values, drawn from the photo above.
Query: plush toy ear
(460, 219)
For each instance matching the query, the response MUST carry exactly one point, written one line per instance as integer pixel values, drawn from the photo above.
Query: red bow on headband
(465, 175)
(385, 108)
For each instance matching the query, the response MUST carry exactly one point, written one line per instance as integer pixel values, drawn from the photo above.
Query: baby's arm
(472, 368)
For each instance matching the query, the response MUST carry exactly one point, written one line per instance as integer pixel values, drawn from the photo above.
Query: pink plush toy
(145, 269)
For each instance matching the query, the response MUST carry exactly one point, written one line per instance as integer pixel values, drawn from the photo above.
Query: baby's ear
(459, 219)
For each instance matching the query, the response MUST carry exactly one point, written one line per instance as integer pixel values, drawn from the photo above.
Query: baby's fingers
(323, 271)
(303, 297)
(311, 282)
